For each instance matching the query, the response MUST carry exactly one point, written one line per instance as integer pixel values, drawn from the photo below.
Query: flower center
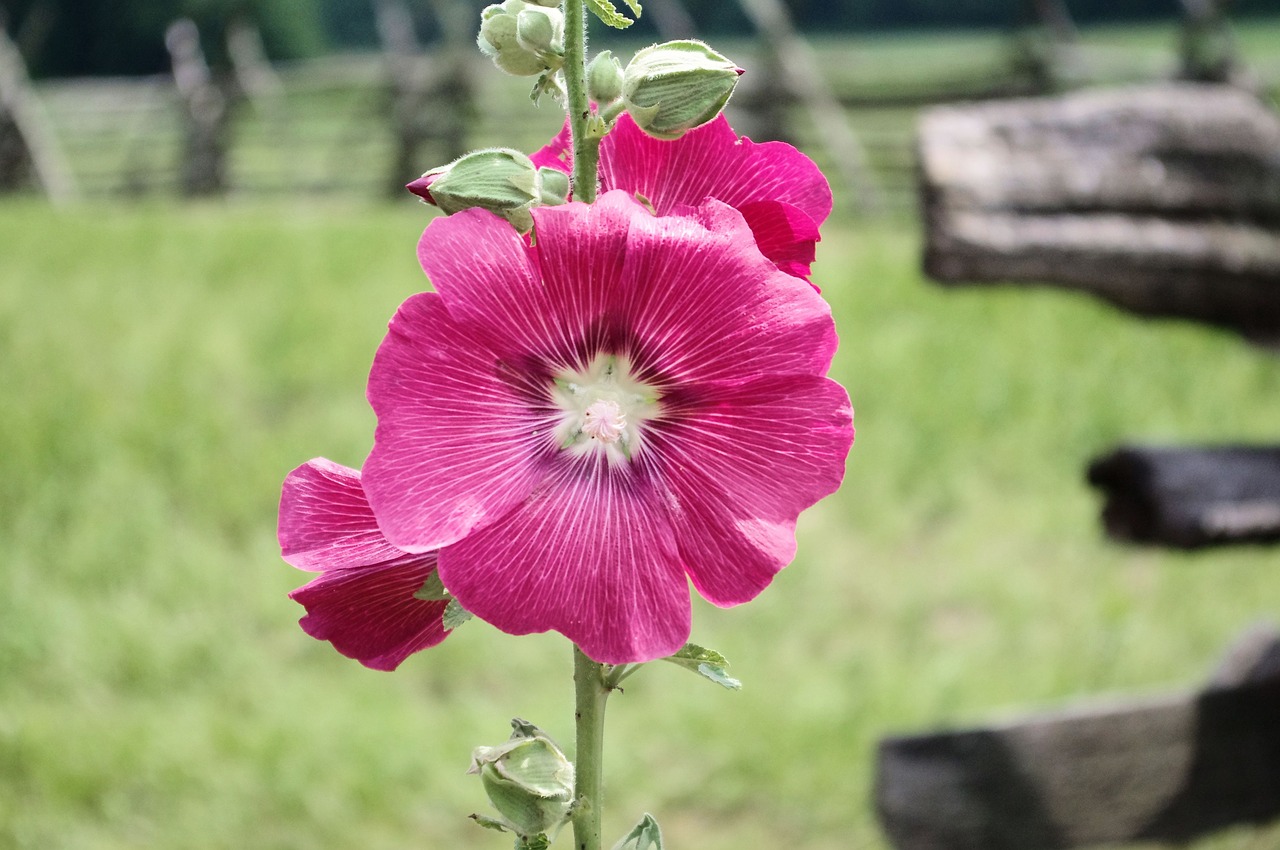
(602, 409)
(604, 421)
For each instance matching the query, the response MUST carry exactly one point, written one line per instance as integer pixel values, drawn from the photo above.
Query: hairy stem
(591, 694)
(586, 144)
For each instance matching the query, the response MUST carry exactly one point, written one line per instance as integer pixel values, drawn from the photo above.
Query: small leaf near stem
(608, 13)
(706, 663)
(645, 835)
(454, 615)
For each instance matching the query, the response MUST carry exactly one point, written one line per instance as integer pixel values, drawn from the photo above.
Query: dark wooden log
(1161, 199)
(1158, 770)
(1190, 497)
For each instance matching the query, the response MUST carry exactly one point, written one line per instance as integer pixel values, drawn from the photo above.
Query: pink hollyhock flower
(779, 191)
(364, 601)
(579, 427)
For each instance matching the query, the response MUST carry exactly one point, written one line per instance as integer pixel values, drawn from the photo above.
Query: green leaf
(455, 615)
(605, 11)
(491, 823)
(706, 663)
(644, 836)
(717, 674)
(634, 6)
(432, 590)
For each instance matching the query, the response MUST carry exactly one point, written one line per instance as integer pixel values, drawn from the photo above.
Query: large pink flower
(779, 191)
(364, 600)
(582, 425)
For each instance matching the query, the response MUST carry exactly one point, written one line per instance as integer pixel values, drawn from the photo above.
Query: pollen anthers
(605, 421)
(603, 409)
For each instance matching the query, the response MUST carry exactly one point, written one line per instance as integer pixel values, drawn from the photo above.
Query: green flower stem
(586, 144)
(591, 693)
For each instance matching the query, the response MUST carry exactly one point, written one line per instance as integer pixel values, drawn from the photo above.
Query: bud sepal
(528, 780)
(604, 79)
(500, 180)
(672, 88)
(523, 39)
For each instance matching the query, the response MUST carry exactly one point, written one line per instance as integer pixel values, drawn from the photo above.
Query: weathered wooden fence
(1167, 769)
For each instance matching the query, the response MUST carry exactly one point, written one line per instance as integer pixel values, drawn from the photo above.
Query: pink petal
(695, 299)
(371, 614)
(558, 153)
(325, 521)
(743, 462)
(487, 276)
(589, 555)
(460, 440)
(712, 162)
(364, 602)
(784, 233)
(582, 250)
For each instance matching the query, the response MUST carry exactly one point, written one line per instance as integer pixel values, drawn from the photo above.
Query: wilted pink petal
(583, 423)
(371, 614)
(364, 602)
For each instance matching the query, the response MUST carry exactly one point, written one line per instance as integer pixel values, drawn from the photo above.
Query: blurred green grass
(164, 367)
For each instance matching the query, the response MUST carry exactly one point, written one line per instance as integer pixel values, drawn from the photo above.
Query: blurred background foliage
(163, 366)
(74, 38)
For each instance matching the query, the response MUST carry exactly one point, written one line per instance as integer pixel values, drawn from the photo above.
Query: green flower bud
(500, 180)
(528, 780)
(604, 79)
(672, 88)
(540, 31)
(553, 188)
(522, 39)
(553, 4)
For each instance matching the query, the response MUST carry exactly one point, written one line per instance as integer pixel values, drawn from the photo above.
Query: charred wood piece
(1190, 497)
(1163, 770)
(1164, 200)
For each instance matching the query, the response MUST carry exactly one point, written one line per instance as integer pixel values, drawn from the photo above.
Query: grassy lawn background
(165, 366)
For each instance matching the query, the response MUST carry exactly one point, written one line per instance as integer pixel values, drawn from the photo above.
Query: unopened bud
(528, 780)
(674, 87)
(553, 186)
(540, 31)
(523, 39)
(604, 79)
(500, 180)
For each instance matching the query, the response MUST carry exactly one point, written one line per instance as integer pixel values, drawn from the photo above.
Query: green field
(164, 367)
